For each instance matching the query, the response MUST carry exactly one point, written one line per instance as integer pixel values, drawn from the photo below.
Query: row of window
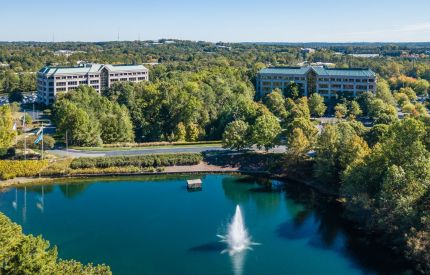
(64, 89)
(350, 93)
(75, 76)
(268, 77)
(324, 80)
(345, 86)
(134, 73)
(357, 80)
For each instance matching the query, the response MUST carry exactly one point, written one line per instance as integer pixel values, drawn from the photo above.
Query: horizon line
(229, 42)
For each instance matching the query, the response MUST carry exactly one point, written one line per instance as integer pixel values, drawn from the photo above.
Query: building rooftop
(320, 71)
(285, 70)
(89, 68)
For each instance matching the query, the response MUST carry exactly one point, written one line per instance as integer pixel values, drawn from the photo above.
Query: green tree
(292, 90)
(421, 87)
(381, 112)
(341, 110)
(6, 127)
(338, 147)
(117, 126)
(26, 254)
(236, 135)
(81, 130)
(409, 92)
(180, 132)
(298, 145)
(265, 131)
(275, 102)
(193, 132)
(316, 105)
(10, 81)
(383, 92)
(354, 109)
(27, 82)
(385, 187)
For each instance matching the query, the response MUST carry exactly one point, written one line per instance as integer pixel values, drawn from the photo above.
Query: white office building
(52, 81)
(330, 83)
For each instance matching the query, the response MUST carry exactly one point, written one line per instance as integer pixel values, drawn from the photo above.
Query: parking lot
(28, 98)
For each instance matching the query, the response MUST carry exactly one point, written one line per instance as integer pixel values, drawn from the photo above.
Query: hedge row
(10, 169)
(139, 161)
(109, 170)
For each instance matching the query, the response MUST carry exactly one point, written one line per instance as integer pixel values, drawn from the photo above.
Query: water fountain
(238, 241)
(237, 238)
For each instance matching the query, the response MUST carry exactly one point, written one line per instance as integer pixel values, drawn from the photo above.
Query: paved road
(78, 153)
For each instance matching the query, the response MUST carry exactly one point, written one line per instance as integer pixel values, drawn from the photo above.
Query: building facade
(52, 81)
(330, 83)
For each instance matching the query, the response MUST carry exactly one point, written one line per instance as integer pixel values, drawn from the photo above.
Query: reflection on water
(135, 224)
(71, 191)
(239, 191)
(238, 261)
(317, 217)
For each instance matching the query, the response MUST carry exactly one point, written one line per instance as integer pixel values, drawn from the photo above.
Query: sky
(220, 20)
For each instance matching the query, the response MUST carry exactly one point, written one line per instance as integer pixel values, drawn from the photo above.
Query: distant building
(328, 82)
(55, 80)
(365, 55)
(66, 53)
(317, 64)
(307, 50)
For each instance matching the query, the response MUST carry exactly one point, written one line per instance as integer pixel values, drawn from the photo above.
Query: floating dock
(194, 184)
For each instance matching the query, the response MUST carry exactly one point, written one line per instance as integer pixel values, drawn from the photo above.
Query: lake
(154, 225)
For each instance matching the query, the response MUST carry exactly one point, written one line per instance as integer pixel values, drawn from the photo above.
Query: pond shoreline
(202, 168)
(192, 170)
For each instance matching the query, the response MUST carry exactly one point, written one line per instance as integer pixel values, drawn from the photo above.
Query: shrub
(10, 169)
(59, 167)
(108, 170)
(139, 161)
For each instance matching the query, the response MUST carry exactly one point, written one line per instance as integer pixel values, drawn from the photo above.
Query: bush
(59, 167)
(139, 161)
(10, 169)
(108, 170)
(26, 254)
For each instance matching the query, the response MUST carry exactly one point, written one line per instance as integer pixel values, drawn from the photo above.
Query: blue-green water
(155, 226)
